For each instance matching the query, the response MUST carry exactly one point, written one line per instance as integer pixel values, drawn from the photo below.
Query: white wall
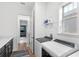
(45, 11)
(23, 22)
(40, 16)
(9, 18)
(53, 13)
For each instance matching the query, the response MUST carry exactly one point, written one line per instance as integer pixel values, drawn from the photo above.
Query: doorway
(23, 28)
(26, 29)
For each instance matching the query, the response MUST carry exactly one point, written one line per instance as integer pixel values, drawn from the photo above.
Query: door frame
(33, 32)
(32, 29)
(24, 18)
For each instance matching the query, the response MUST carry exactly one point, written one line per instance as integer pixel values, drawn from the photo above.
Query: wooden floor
(23, 46)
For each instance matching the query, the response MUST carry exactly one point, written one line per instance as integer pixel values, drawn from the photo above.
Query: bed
(58, 49)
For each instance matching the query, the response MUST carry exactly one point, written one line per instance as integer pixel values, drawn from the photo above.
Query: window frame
(65, 6)
(61, 30)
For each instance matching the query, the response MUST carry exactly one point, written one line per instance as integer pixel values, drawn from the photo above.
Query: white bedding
(76, 54)
(57, 49)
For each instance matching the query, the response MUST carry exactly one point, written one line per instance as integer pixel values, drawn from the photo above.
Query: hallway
(23, 51)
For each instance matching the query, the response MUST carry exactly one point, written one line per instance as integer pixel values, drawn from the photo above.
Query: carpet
(21, 53)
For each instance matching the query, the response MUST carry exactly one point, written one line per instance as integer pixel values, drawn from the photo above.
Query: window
(69, 7)
(68, 18)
